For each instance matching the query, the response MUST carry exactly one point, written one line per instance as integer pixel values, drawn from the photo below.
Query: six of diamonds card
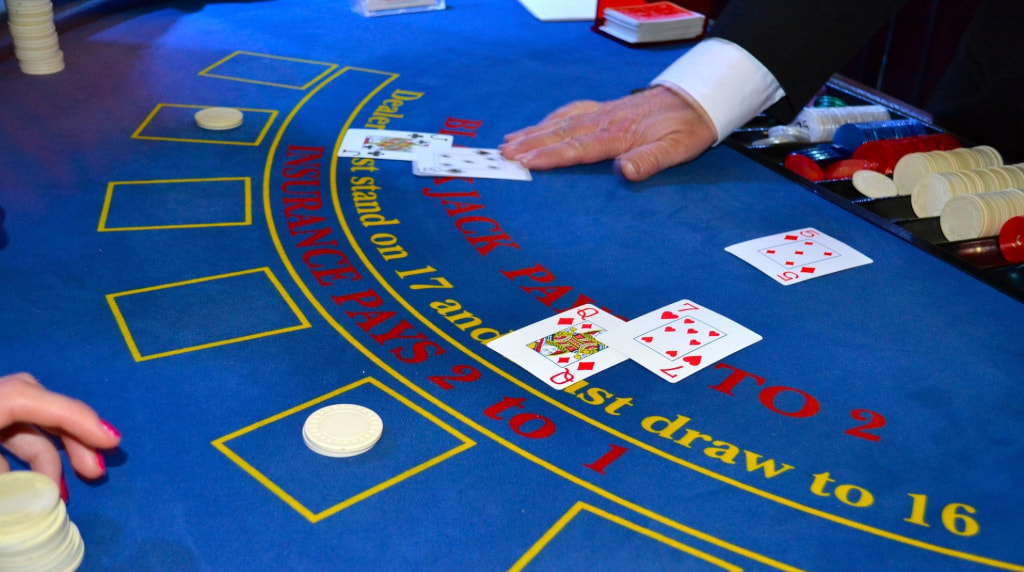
(798, 255)
(680, 339)
(564, 348)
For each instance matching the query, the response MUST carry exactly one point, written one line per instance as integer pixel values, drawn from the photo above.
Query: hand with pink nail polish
(30, 415)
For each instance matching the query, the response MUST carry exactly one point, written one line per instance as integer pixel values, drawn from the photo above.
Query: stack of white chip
(819, 124)
(35, 37)
(932, 193)
(971, 216)
(35, 532)
(914, 167)
(342, 430)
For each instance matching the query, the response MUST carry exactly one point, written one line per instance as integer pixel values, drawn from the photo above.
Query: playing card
(564, 348)
(680, 339)
(798, 255)
(388, 144)
(466, 162)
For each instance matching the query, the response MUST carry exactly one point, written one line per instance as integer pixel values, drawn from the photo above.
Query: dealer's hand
(646, 132)
(30, 414)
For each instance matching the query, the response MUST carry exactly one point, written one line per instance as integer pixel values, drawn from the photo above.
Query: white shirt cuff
(731, 85)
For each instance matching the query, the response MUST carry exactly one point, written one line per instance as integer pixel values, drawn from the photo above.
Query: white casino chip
(342, 430)
(218, 118)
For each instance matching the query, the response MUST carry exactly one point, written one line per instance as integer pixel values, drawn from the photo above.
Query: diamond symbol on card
(770, 251)
(564, 321)
(790, 263)
(564, 359)
(799, 252)
(807, 269)
(791, 237)
(585, 366)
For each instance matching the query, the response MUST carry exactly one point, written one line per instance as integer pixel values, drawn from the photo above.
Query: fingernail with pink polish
(113, 430)
(101, 462)
(63, 489)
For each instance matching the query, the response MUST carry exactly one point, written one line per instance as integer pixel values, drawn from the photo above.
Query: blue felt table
(205, 296)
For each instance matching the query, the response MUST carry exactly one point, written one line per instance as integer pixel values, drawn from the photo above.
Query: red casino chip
(1011, 240)
(887, 152)
(804, 166)
(841, 170)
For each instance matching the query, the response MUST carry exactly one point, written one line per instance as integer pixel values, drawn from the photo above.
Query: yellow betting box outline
(270, 113)
(581, 506)
(221, 445)
(122, 324)
(271, 225)
(246, 219)
(329, 68)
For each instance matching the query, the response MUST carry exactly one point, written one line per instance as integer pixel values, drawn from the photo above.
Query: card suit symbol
(647, 339)
(828, 254)
(666, 315)
(770, 251)
(672, 353)
(692, 360)
(585, 366)
(713, 333)
(808, 242)
(691, 331)
(688, 321)
(587, 326)
(694, 342)
(791, 237)
(807, 269)
(800, 252)
(564, 321)
(563, 359)
(669, 329)
(790, 263)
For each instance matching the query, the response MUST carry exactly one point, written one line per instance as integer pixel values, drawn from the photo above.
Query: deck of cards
(654, 22)
(431, 154)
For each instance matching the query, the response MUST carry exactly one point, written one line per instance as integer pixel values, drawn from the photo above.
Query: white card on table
(680, 339)
(564, 348)
(798, 255)
(469, 163)
(390, 144)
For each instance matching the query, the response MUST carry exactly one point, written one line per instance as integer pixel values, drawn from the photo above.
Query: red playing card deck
(648, 22)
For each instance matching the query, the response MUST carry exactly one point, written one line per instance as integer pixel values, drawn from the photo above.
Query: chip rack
(980, 257)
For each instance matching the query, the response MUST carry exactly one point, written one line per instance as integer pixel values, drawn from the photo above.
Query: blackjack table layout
(207, 290)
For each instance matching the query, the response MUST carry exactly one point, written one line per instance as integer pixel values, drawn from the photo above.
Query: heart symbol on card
(694, 342)
(713, 334)
(669, 329)
(688, 321)
(672, 353)
(647, 339)
(666, 315)
(692, 360)
(691, 331)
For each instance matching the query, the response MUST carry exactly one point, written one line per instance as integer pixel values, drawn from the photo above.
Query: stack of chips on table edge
(35, 36)
(35, 532)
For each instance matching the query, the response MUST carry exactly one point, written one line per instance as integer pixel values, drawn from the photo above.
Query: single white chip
(874, 184)
(219, 118)
(342, 430)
